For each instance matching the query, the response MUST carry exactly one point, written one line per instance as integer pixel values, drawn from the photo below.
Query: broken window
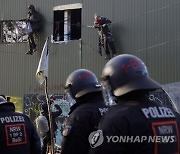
(13, 31)
(67, 22)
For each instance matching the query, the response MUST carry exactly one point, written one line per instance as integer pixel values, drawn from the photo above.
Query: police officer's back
(82, 86)
(17, 134)
(136, 125)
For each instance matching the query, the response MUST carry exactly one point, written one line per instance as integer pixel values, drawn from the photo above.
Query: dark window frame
(67, 24)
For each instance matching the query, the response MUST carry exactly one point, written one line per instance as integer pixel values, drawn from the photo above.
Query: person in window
(105, 36)
(34, 19)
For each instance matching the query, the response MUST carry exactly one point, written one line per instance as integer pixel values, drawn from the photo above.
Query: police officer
(17, 133)
(87, 107)
(135, 125)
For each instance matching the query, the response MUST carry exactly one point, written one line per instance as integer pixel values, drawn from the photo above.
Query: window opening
(67, 22)
(76, 24)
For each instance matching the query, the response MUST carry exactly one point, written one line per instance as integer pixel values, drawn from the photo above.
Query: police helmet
(81, 82)
(126, 73)
(3, 101)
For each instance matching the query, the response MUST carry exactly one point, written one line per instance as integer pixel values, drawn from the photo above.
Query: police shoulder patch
(66, 130)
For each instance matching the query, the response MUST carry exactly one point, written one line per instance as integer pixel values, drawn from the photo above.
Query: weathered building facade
(149, 29)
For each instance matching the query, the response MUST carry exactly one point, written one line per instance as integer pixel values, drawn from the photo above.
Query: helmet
(4, 101)
(126, 73)
(81, 82)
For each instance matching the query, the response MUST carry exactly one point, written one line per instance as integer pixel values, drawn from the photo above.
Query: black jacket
(35, 20)
(47, 137)
(54, 116)
(83, 119)
(17, 134)
(133, 127)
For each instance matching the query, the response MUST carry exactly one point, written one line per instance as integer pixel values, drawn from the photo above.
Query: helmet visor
(70, 99)
(107, 94)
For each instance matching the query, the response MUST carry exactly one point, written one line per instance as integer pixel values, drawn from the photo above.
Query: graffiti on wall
(32, 107)
(51, 88)
(32, 104)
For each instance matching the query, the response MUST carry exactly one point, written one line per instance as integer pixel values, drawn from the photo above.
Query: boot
(30, 52)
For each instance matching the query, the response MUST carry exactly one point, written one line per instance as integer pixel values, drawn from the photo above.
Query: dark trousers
(31, 41)
(46, 143)
(109, 44)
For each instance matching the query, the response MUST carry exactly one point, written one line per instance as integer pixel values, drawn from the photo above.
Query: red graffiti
(53, 87)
